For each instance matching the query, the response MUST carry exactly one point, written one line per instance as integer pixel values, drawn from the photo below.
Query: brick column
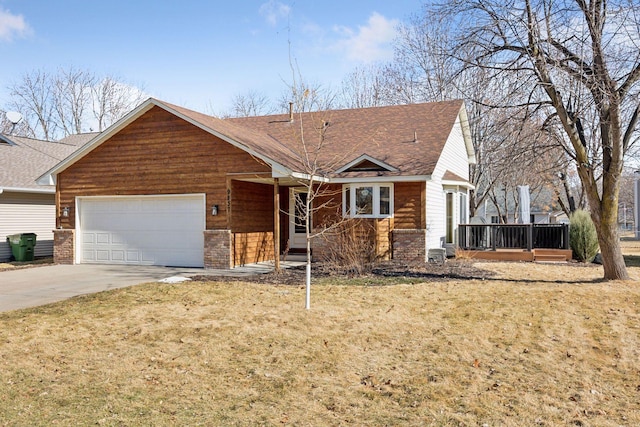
(63, 247)
(410, 245)
(218, 249)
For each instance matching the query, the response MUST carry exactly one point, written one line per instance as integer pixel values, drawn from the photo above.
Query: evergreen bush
(583, 237)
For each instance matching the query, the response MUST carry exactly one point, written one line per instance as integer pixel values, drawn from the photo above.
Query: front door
(297, 203)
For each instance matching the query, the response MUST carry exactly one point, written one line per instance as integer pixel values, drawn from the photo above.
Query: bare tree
(581, 64)
(70, 101)
(251, 103)
(71, 95)
(33, 98)
(365, 87)
(112, 99)
(307, 97)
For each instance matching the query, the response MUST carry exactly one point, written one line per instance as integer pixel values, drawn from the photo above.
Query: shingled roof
(402, 140)
(408, 138)
(23, 160)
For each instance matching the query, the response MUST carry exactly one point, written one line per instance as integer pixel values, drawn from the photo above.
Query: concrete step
(550, 258)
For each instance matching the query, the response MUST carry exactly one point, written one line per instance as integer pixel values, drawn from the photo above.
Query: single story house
(166, 185)
(26, 207)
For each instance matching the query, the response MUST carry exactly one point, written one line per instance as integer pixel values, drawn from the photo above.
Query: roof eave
(464, 184)
(278, 170)
(28, 190)
(49, 177)
(400, 178)
(466, 134)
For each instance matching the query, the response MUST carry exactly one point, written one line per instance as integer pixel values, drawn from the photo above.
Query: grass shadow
(632, 260)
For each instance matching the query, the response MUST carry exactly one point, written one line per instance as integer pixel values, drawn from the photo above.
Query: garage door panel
(165, 230)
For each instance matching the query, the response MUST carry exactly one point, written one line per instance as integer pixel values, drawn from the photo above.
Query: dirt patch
(16, 265)
(382, 273)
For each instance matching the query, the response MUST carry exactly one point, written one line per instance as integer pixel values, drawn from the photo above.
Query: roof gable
(409, 137)
(402, 140)
(366, 163)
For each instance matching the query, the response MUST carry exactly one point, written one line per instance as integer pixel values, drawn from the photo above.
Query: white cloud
(273, 11)
(12, 26)
(371, 42)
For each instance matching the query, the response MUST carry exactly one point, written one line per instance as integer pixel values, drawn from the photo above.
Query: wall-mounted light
(214, 210)
(65, 212)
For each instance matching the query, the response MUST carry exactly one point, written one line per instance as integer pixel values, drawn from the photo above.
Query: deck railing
(483, 237)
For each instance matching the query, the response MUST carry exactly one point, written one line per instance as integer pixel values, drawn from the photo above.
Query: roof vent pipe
(415, 136)
(291, 112)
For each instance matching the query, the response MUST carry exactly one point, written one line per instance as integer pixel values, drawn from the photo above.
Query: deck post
(494, 233)
(529, 237)
(565, 235)
(276, 222)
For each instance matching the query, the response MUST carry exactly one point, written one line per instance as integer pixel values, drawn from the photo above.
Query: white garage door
(156, 230)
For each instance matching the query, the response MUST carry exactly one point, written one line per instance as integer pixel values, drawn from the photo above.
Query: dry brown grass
(538, 344)
(15, 265)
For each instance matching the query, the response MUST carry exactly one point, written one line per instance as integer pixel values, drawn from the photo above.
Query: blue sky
(198, 54)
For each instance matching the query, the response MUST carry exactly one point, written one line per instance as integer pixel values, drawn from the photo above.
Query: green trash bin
(22, 246)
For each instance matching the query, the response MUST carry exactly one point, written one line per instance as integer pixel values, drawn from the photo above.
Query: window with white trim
(367, 200)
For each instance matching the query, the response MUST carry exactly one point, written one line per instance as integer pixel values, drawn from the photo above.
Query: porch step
(551, 258)
(551, 255)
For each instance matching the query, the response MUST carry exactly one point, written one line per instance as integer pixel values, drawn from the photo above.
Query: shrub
(349, 247)
(583, 237)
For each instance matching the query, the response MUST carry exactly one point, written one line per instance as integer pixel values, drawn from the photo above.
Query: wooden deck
(539, 255)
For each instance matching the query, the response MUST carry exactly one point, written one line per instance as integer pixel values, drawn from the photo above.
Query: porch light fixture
(214, 210)
(65, 212)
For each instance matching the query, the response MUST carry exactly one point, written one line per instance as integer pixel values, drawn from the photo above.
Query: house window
(367, 200)
(300, 210)
(450, 218)
(463, 208)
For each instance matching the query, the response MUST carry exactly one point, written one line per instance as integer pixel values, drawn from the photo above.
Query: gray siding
(27, 213)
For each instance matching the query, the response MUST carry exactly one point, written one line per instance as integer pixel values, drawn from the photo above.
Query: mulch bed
(452, 269)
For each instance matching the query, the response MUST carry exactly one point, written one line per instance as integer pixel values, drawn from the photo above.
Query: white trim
(367, 157)
(28, 190)
(375, 200)
(463, 184)
(307, 177)
(466, 133)
(381, 179)
(297, 240)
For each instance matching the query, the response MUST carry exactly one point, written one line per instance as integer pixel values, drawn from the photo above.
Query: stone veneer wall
(218, 249)
(410, 245)
(63, 248)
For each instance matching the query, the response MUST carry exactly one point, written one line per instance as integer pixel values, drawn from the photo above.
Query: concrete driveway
(30, 287)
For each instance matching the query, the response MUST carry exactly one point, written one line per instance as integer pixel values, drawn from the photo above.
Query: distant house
(169, 186)
(25, 206)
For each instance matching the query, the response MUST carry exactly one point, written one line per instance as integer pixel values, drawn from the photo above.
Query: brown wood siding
(251, 207)
(249, 248)
(382, 235)
(158, 153)
(330, 197)
(408, 205)
(409, 212)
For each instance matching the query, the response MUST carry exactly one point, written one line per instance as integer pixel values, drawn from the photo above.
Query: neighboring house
(169, 186)
(26, 207)
(534, 218)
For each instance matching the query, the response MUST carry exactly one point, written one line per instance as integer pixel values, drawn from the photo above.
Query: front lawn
(533, 344)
